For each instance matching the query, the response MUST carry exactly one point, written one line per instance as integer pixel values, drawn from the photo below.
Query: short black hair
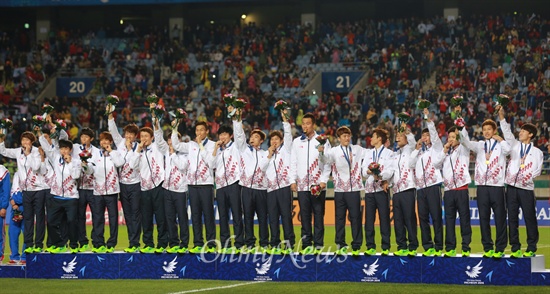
(310, 116)
(531, 128)
(88, 132)
(225, 129)
(65, 144)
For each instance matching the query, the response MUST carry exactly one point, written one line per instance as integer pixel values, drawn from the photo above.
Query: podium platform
(473, 270)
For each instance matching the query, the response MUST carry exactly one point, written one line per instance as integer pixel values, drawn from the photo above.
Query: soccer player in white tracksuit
(489, 179)
(427, 160)
(377, 196)
(253, 185)
(345, 161)
(85, 186)
(305, 171)
(279, 195)
(151, 169)
(104, 166)
(175, 195)
(524, 166)
(456, 178)
(34, 187)
(62, 176)
(404, 195)
(200, 178)
(226, 160)
(130, 191)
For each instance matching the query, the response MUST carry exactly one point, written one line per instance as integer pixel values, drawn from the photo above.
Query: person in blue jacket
(4, 197)
(16, 226)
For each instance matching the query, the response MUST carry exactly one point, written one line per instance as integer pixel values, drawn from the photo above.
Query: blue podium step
(473, 270)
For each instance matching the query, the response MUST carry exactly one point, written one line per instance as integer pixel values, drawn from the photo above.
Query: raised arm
(239, 136)
(161, 143)
(293, 168)
(434, 137)
(47, 147)
(117, 137)
(507, 132)
(325, 175)
(465, 141)
(177, 144)
(411, 141)
(8, 152)
(287, 129)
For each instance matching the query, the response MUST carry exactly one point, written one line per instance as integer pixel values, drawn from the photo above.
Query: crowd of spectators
(475, 56)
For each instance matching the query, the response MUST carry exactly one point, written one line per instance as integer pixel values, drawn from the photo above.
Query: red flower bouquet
(374, 167)
(460, 123)
(17, 216)
(38, 121)
(315, 190)
(322, 139)
(85, 155)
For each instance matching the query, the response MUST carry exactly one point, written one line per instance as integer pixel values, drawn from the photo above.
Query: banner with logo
(293, 267)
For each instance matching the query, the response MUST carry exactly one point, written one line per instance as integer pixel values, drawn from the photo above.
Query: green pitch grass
(212, 286)
(15, 286)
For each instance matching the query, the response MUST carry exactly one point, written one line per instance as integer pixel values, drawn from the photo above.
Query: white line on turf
(216, 288)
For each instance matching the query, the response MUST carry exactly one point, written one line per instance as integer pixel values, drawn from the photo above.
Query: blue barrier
(473, 270)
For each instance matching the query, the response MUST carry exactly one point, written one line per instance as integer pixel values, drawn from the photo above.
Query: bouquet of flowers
(6, 123)
(112, 101)
(47, 109)
(501, 100)
(315, 190)
(38, 121)
(456, 100)
(238, 103)
(404, 117)
(281, 105)
(158, 111)
(85, 155)
(423, 104)
(459, 123)
(322, 139)
(59, 125)
(153, 98)
(178, 114)
(17, 216)
(228, 99)
(374, 167)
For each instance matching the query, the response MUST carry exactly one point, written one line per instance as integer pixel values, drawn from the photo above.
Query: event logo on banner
(74, 87)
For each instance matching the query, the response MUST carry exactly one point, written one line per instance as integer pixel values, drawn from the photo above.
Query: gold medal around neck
(487, 162)
(522, 165)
